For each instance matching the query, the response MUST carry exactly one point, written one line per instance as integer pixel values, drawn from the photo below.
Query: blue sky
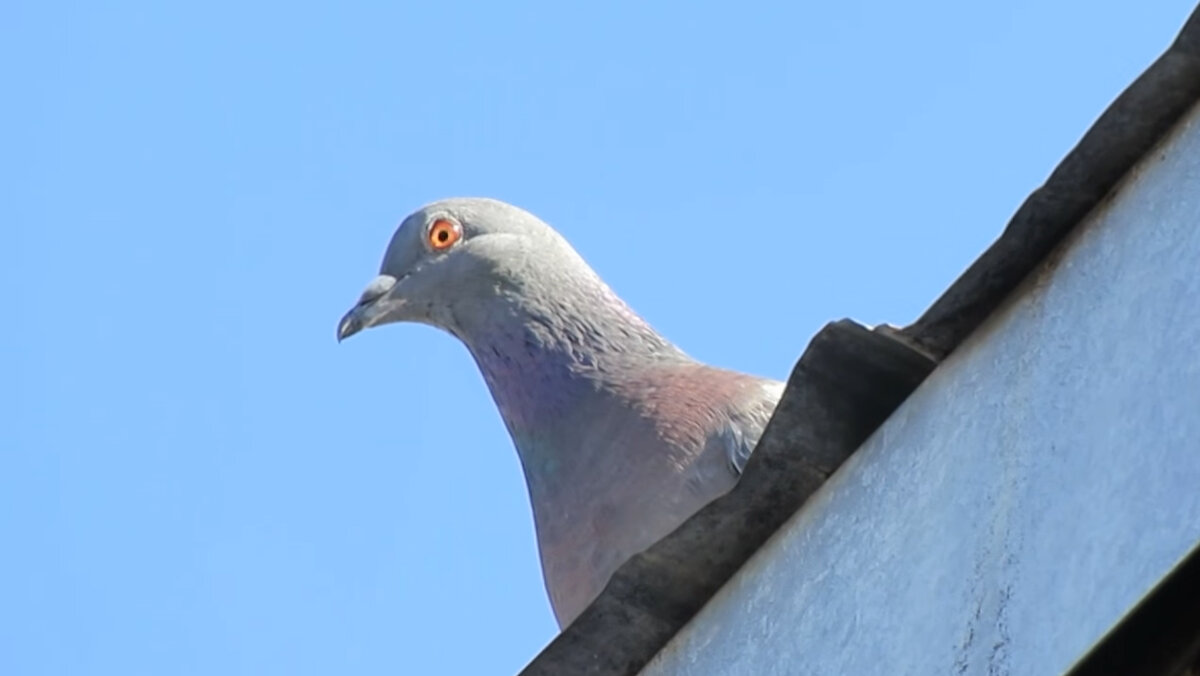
(195, 478)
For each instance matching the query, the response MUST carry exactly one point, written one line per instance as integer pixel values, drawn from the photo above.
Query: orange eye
(443, 234)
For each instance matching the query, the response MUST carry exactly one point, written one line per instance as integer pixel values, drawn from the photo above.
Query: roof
(851, 378)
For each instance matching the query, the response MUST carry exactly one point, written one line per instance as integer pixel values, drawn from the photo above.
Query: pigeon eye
(443, 234)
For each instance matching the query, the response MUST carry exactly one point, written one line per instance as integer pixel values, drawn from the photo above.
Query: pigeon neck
(555, 368)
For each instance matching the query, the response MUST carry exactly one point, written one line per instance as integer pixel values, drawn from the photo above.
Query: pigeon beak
(351, 324)
(369, 310)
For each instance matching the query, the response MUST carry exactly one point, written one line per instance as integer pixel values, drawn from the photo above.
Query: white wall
(1025, 497)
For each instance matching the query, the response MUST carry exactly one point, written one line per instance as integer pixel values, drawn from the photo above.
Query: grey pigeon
(621, 435)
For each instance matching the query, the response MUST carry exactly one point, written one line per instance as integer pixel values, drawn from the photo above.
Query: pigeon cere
(621, 435)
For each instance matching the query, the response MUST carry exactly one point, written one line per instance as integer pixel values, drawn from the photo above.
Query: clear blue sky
(195, 478)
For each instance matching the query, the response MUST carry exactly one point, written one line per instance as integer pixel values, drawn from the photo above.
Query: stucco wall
(1027, 494)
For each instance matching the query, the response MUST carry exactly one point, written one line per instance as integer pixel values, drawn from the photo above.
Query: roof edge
(1127, 130)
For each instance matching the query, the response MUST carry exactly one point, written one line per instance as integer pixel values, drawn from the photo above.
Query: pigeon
(621, 435)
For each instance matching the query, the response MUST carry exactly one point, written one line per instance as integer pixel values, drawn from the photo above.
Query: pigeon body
(620, 434)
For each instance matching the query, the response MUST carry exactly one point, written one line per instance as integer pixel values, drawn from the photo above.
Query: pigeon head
(454, 261)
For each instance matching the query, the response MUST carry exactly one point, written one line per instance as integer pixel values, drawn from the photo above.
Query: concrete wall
(1025, 496)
